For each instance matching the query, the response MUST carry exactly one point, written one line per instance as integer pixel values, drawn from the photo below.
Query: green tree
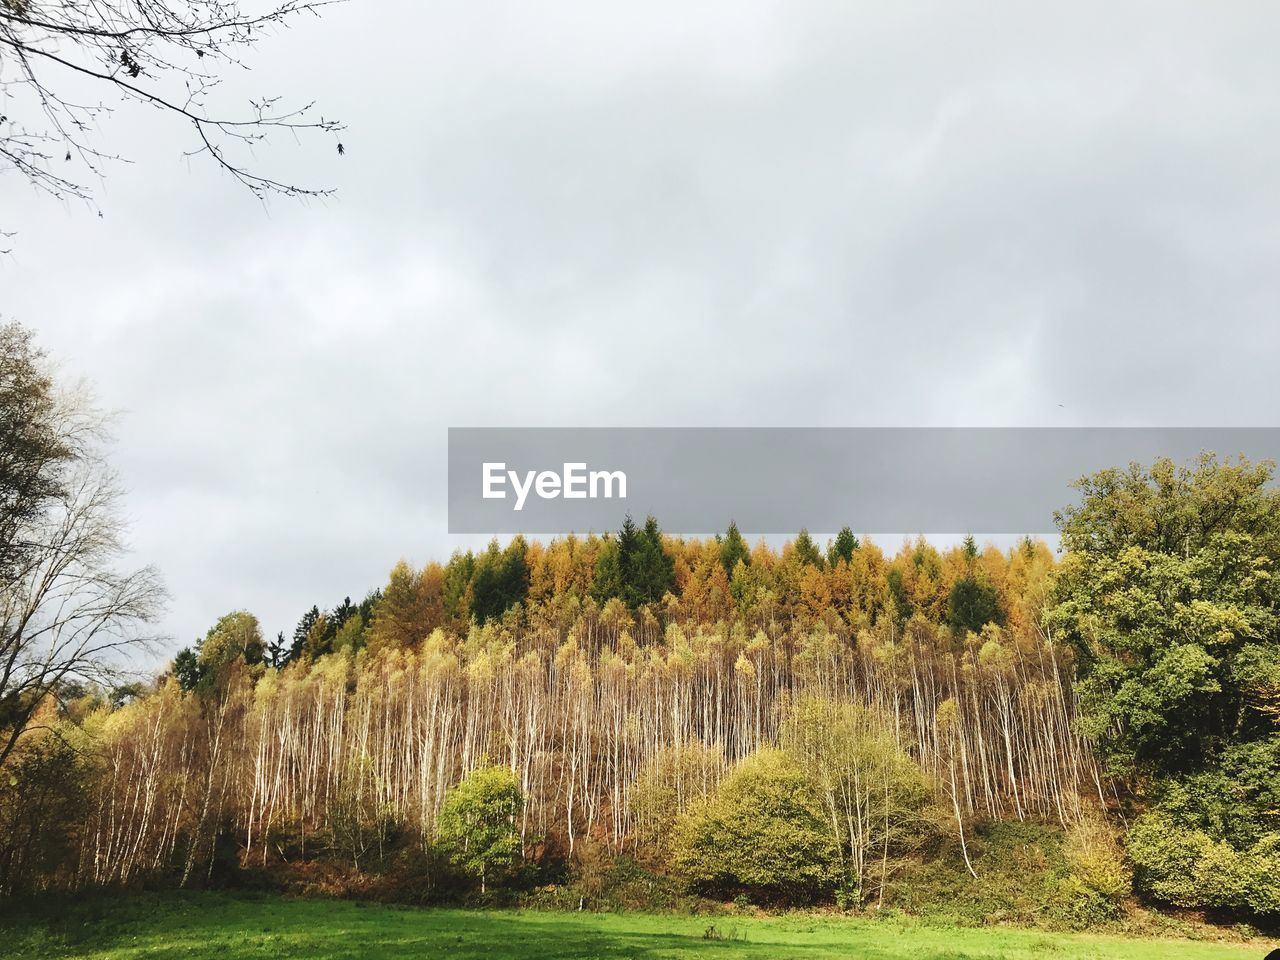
(902, 606)
(1169, 593)
(606, 583)
(806, 550)
(501, 580)
(842, 547)
(477, 823)
(733, 548)
(300, 633)
(634, 565)
(459, 575)
(186, 668)
(972, 604)
(648, 571)
(763, 834)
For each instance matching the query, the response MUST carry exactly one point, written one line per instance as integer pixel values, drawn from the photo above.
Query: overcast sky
(736, 213)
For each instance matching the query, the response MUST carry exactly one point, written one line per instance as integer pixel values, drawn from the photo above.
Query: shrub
(477, 824)
(762, 834)
(1096, 860)
(875, 798)
(1186, 867)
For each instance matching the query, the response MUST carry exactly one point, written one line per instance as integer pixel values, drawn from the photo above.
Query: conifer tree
(843, 546)
(733, 548)
(806, 550)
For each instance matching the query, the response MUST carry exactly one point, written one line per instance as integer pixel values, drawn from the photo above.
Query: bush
(876, 799)
(1020, 865)
(1186, 867)
(762, 834)
(1096, 861)
(477, 824)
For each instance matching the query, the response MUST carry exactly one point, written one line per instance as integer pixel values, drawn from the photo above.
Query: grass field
(232, 928)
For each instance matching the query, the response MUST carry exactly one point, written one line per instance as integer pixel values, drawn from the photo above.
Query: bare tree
(67, 613)
(63, 62)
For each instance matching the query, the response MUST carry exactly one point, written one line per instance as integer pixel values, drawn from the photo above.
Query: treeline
(657, 580)
(582, 695)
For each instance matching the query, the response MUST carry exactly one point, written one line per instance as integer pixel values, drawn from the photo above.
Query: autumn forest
(821, 723)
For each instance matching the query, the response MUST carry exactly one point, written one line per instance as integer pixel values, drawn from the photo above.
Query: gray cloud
(728, 213)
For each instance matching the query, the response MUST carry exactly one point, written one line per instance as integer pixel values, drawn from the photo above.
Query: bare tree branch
(166, 54)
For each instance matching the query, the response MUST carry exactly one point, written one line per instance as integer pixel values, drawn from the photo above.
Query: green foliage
(1169, 594)
(806, 551)
(459, 574)
(186, 668)
(344, 628)
(606, 583)
(972, 604)
(902, 605)
(733, 549)
(876, 800)
(1021, 868)
(477, 823)
(763, 834)
(648, 572)
(501, 580)
(301, 632)
(842, 547)
(1189, 868)
(634, 566)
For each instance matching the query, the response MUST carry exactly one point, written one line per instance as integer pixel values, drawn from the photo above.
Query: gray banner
(777, 480)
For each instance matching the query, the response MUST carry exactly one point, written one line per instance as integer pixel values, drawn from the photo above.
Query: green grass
(235, 927)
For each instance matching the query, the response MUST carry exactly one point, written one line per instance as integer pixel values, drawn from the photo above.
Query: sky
(582, 214)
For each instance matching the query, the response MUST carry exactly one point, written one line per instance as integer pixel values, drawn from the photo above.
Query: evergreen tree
(902, 607)
(186, 668)
(651, 572)
(606, 583)
(733, 548)
(277, 652)
(301, 632)
(501, 580)
(972, 604)
(843, 546)
(806, 550)
(459, 574)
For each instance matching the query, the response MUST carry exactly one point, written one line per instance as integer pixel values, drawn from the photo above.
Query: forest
(819, 723)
